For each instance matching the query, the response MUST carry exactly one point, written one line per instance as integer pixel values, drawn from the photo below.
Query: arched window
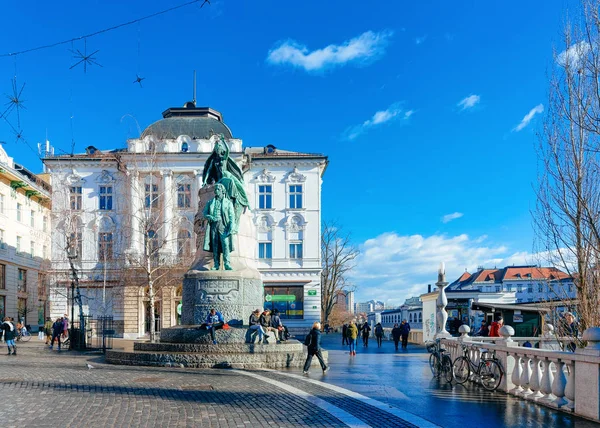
(184, 147)
(420, 317)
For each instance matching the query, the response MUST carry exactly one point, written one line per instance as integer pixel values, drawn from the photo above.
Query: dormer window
(518, 275)
(185, 147)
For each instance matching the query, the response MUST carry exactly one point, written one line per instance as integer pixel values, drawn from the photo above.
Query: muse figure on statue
(220, 168)
(222, 225)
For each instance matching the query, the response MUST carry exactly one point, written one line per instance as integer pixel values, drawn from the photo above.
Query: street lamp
(72, 255)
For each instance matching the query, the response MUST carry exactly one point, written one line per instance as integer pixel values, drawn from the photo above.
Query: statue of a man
(222, 226)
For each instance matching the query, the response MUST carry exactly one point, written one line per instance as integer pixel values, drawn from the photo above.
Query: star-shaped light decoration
(84, 57)
(205, 1)
(15, 101)
(139, 79)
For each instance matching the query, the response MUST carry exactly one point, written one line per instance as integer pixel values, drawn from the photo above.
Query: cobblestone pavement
(42, 388)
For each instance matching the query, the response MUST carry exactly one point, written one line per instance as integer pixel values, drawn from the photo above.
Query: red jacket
(495, 329)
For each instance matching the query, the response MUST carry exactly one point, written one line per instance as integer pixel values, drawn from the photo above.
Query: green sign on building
(280, 298)
(312, 292)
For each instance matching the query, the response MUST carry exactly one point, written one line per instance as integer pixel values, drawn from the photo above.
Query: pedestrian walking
(313, 342)
(214, 321)
(396, 333)
(48, 329)
(495, 327)
(366, 330)
(352, 333)
(379, 334)
(404, 330)
(9, 330)
(57, 330)
(344, 336)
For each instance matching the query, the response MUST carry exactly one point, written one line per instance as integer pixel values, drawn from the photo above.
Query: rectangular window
(45, 252)
(76, 243)
(265, 197)
(2, 307)
(2, 242)
(151, 196)
(105, 246)
(184, 195)
(75, 198)
(22, 309)
(289, 301)
(540, 288)
(106, 198)
(22, 281)
(519, 288)
(1, 203)
(18, 212)
(41, 285)
(498, 288)
(32, 248)
(530, 288)
(296, 196)
(2, 277)
(296, 250)
(18, 244)
(509, 287)
(265, 250)
(570, 287)
(32, 219)
(45, 223)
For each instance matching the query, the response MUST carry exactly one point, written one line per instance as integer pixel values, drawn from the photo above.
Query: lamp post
(72, 255)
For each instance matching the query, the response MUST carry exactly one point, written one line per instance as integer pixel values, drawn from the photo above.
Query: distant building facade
(24, 243)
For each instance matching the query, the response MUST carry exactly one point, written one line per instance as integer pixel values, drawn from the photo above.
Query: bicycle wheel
(491, 374)
(434, 365)
(447, 368)
(462, 369)
(25, 337)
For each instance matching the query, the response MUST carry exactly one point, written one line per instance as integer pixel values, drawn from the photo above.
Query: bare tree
(158, 256)
(338, 255)
(568, 194)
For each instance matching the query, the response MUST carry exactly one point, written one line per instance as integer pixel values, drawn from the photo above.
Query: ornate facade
(119, 206)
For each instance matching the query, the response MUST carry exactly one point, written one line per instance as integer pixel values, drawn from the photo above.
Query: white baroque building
(24, 243)
(103, 199)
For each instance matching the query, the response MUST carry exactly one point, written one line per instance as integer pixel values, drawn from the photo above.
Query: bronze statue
(222, 225)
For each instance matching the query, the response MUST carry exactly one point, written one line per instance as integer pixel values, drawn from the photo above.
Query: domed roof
(195, 122)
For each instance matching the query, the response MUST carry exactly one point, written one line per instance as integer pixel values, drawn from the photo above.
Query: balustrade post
(516, 376)
(464, 331)
(526, 377)
(587, 381)
(570, 389)
(559, 384)
(546, 384)
(536, 380)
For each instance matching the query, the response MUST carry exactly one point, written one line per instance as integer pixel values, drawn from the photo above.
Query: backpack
(379, 330)
(308, 339)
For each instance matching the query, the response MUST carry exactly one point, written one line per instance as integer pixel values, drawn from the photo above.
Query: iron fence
(96, 335)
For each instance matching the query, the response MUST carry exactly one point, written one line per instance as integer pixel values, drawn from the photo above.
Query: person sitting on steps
(254, 323)
(214, 321)
(265, 322)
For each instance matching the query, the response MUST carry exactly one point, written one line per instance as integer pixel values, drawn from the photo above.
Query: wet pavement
(403, 380)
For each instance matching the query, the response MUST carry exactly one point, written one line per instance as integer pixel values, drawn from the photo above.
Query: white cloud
(537, 109)
(393, 112)
(469, 102)
(449, 217)
(574, 55)
(364, 48)
(420, 40)
(393, 267)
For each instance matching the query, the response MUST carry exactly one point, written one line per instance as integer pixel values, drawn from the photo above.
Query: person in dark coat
(344, 334)
(57, 330)
(396, 333)
(314, 348)
(379, 334)
(404, 330)
(484, 330)
(278, 326)
(9, 335)
(366, 329)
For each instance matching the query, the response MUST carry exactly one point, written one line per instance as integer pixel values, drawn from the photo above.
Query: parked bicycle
(440, 363)
(488, 371)
(23, 335)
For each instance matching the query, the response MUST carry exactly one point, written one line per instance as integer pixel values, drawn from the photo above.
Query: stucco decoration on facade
(296, 177)
(265, 177)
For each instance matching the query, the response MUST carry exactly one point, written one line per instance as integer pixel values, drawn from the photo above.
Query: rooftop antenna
(194, 99)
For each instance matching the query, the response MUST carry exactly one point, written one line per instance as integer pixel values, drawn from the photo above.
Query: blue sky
(427, 110)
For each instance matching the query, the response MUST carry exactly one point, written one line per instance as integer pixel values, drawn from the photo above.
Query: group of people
(266, 322)
(491, 330)
(351, 332)
(57, 330)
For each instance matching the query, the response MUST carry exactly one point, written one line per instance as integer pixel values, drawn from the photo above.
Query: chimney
(429, 288)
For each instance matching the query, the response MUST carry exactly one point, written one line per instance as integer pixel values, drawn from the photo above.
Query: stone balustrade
(562, 380)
